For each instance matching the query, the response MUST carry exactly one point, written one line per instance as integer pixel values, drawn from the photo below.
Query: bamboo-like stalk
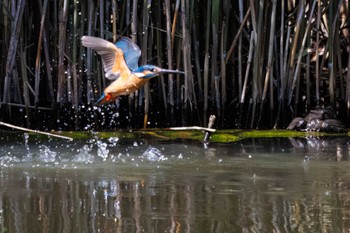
(223, 47)
(331, 60)
(188, 87)
(270, 49)
(233, 44)
(70, 73)
(223, 69)
(249, 61)
(307, 76)
(206, 62)
(281, 52)
(317, 79)
(160, 57)
(348, 90)
(48, 66)
(333, 35)
(89, 88)
(114, 15)
(240, 65)
(11, 54)
(25, 85)
(215, 79)
(144, 49)
(298, 63)
(61, 52)
(169, 46)
(38, 54)
(253, 18)
(173, 29)
(256, 91)
(132, 99)
(134, 21)
(74, 62)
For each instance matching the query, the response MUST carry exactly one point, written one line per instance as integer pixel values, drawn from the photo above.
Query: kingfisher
(120, 63)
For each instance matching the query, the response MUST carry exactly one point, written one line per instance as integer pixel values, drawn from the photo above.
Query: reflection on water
(260, 185)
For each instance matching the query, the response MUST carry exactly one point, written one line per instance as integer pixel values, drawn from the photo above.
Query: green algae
(220, 136)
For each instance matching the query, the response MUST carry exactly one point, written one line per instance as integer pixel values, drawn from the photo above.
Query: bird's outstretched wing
(132, 52)
(112, 57)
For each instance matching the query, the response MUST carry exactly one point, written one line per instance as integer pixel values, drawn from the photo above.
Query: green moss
(221, 136)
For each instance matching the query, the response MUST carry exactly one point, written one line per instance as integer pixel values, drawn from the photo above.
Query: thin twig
(34, 131)
(193, 128)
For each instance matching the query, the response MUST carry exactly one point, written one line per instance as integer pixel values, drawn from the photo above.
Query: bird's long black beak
(171, 71)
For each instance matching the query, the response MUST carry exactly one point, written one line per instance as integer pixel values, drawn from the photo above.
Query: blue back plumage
(131, 52)
(145, 67)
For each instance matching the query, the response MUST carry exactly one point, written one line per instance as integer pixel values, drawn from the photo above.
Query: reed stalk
(276, 53)
(256, 91)
(114, 23)
(169, 48)
(318, 23)
(62, 46)
(11, 54)
(144, 49)
(215, 78)
(206, 62)
(249, 61)
(25, 85)
(301, 51)
(270, 49)
(240, 41)
(38, 54)
(74, 62)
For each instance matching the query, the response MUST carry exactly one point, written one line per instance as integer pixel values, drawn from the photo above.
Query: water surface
(119, 185)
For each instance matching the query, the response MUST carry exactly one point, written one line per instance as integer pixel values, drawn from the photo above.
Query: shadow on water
(118, 185)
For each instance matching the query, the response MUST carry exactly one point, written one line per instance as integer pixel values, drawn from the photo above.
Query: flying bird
(120, 62)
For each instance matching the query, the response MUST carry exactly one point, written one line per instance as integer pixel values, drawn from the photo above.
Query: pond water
(120, 185)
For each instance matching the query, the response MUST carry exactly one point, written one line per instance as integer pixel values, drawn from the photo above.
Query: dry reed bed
(253, 63)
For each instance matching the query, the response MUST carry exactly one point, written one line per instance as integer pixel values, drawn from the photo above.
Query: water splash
(84, 155)
(46, 155)
(8, 161)
(153, 154)
(28, 155)
(102, 150)
(113, 141)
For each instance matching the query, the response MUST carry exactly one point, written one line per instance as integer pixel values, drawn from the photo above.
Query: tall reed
(255, 63)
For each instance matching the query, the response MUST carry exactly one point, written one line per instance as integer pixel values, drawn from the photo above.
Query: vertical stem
(270, 49)
(240, 6)
(11, 54)
(114, 14)
(38, 53)
(61, 47)
(145, 23)
(134, 21)
(206, 61)
(169, 44)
